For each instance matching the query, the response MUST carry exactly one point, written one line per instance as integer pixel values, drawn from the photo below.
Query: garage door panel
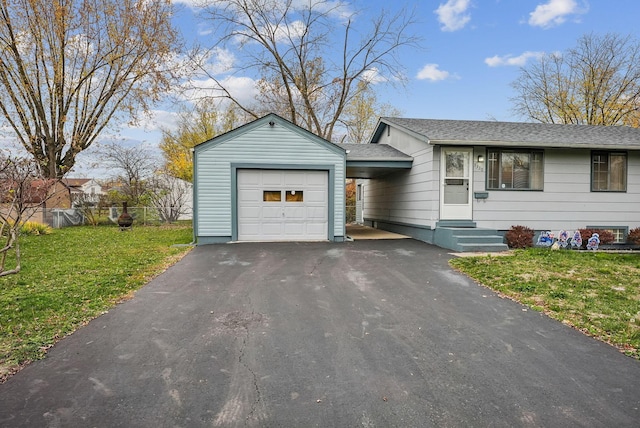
(249, 195)
(316, 180)
(272, 229)
(251, 213)
(316, 213)
(295, 213)
(271, 178)
(294, 229)
(315, 196)
(272, 213)
(248, 180)
(265, 218)
(249, 229)
(295, 178)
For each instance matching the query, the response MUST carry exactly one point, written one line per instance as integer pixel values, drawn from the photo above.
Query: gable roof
(269, 119)
(485, 133)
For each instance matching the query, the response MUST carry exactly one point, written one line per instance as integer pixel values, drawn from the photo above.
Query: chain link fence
(58, 218)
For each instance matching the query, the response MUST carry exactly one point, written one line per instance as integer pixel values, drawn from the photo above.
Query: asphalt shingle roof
(374, 152)
(521, 134)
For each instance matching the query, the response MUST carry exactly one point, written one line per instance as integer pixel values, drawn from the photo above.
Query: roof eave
(548, 145)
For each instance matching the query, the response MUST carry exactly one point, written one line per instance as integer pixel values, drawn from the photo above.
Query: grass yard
(71, 277)
(596, 292)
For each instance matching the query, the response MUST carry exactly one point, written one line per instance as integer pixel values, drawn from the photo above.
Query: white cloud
(554, 12)
(242, 88)
(191, 3)
(452, 14)
(433, 73)
(220, 61)
(156, 120)
(373, 76)
(293, 30)
(519, 61)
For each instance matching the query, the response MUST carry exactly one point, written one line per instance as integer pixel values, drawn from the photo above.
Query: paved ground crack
(258, 398)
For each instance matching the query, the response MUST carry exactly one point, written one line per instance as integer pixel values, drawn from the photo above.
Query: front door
(455, 184)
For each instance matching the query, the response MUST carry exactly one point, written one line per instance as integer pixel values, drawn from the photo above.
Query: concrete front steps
(469, 239)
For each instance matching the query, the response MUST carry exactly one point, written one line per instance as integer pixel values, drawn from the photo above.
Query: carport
(375, 160)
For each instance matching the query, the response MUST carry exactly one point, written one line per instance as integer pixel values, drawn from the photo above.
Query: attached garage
(269, 180)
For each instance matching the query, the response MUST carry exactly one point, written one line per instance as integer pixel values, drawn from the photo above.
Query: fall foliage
(195, 126)
(70, 67)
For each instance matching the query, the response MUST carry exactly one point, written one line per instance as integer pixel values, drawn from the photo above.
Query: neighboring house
(473, 178)
(87, 188)
(44, 197)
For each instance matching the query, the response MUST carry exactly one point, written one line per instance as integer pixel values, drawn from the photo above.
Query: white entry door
(282, 205)
(456, 184)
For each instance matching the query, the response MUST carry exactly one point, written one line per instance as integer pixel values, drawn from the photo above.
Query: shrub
(634, 236)
(35, 228)
(606, 237)
(519, 237)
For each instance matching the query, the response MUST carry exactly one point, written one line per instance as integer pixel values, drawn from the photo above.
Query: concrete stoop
(469, 239)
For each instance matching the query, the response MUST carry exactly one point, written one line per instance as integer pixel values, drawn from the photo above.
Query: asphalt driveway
(361, 334)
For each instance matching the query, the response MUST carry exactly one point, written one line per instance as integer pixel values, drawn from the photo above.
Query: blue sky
(474, 49)
(471, 51)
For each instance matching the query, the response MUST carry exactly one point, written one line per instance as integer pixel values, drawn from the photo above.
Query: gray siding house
(269, 180)
(471, 180)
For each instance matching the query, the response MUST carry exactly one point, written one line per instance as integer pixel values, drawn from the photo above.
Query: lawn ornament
(576, 241)
(563, 239)
(593, 242)
(545, 239)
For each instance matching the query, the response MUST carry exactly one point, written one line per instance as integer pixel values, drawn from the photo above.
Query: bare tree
(595, 83)
(23, 190)
(309, 54)
(170, 196)
(69, 68)
(130, 168)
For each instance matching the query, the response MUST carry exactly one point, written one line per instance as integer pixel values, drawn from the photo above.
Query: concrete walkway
(358, 232)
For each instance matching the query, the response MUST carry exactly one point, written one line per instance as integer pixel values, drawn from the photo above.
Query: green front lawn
(74, 275)
(596, 292)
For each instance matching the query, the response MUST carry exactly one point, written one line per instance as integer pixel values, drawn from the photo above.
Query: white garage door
(282, 205)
